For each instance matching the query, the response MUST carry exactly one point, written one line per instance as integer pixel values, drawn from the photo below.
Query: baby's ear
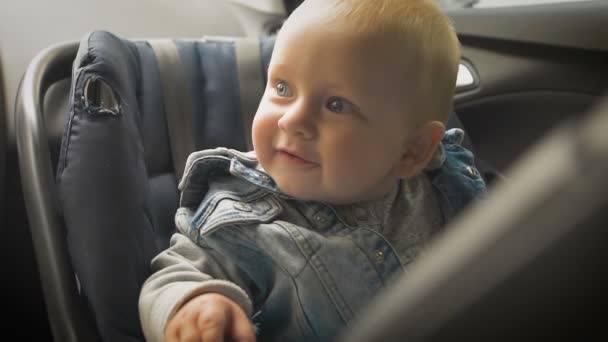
(419, 149)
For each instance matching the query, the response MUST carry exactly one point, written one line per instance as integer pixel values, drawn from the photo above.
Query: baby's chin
(297, 191)
(305, 192)
(301, 191)
(335, 196)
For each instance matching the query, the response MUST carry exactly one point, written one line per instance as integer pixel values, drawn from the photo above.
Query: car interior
(536, 274)
(95, 127)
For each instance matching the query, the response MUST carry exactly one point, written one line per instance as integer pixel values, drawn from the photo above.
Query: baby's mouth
(294, 157)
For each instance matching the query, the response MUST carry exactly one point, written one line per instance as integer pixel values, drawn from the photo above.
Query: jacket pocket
(223, 209)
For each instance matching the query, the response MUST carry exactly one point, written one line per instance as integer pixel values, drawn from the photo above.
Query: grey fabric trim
(83, 49)
(176, 97)
(251, 81)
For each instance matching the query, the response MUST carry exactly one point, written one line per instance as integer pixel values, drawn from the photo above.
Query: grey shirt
(407, 216)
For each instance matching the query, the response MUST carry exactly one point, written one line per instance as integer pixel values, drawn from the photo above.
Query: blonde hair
(426, 35)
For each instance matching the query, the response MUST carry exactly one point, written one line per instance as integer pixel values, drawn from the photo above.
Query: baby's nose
(299, 120)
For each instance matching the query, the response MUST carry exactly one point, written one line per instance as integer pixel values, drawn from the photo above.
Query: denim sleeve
(182, 272)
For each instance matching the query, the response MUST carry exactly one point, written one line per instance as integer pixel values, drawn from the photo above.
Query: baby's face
(332, 124)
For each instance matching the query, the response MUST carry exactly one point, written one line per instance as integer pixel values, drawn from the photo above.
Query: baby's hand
(209, 317)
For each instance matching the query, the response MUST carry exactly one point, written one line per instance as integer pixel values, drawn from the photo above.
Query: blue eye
(339, 105)
(282, 89)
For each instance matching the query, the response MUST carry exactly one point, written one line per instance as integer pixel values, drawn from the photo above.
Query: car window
(497, 3)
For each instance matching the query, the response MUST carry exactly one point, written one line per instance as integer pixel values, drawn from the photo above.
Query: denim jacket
(306, 272)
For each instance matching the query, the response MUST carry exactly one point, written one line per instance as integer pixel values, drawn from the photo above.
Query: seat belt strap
(176, 98)
(251, 81)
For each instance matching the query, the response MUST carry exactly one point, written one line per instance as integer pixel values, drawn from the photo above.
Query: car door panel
(529, 79)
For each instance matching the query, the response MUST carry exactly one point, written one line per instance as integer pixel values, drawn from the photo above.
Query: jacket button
(240, 206)
(379, 257)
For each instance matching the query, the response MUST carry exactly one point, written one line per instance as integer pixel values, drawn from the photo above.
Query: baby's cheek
(262, 131)
(361, 163)
(348, 169)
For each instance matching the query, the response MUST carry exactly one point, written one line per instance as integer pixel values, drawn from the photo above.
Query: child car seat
(111, 207)
(135, 109)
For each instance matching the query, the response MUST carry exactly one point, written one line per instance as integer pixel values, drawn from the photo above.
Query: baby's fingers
(211, 323)
(241, 331)
(185, 331)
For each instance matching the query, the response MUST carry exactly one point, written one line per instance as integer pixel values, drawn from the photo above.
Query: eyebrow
(337, 87)
(279, 68)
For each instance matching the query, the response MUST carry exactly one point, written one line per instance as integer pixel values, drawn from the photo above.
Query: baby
(351, 175)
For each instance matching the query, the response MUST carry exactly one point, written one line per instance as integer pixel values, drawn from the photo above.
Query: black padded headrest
(115, 177)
